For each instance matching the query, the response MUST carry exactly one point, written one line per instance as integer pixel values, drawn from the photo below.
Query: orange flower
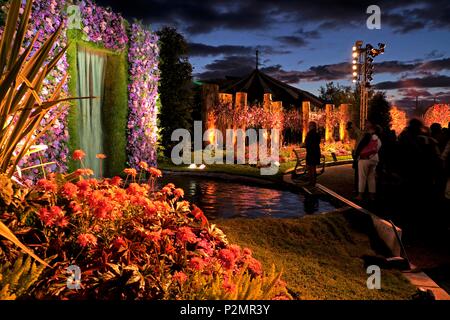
(155, 172)
(150, 209)
(143, 165)
(47, 185)
(166, 191)
(179, 193)
(84, 172)
(135, 189)
(101, 156)
(78, 155)
(130, 172)
(116, 181)
(76, 208)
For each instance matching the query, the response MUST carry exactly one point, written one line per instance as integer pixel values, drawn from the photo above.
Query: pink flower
(185, 234)
(228, 258)
(197, 264)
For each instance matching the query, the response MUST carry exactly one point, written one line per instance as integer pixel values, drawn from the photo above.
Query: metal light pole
(362, 73)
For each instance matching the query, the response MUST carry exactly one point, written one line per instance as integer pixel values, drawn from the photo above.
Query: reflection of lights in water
(226, 199)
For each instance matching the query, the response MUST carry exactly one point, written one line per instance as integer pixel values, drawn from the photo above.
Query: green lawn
(236, 169)
(320, 255)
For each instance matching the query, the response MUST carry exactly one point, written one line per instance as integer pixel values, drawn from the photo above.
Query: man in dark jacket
(312, 145)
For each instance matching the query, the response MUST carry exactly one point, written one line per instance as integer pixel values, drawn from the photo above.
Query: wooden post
(306, 105)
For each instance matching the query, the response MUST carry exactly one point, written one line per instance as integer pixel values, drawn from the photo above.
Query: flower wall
(111, 31)
(143, 94)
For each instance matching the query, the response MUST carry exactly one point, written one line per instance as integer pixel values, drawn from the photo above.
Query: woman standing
(368, 159)
(312, 145)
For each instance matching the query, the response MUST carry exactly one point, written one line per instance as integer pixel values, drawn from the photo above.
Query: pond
(223, 199)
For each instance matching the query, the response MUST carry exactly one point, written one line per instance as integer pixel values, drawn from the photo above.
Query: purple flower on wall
(143, 93)
(103, 26)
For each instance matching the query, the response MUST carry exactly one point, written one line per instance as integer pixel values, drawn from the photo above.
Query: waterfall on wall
(91, 79)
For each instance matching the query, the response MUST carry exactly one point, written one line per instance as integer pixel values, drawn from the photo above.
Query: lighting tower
(362, 69)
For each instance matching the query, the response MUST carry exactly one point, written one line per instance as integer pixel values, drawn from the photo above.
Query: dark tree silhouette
(379, 111)
(175, 86)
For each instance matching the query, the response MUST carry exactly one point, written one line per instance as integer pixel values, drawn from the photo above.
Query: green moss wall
(115, 104)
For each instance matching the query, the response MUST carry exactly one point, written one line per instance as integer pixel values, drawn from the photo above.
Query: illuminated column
(328, 122)
(240, 104)
(277, 108)
(241, 99)
(210, 98)
(267, 101)
(225, 98)
(344, 117)
(306, 105)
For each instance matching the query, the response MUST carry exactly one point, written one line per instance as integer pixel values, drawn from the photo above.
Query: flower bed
(130, 241)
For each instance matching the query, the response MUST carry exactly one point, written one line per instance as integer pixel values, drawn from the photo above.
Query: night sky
(309, 43)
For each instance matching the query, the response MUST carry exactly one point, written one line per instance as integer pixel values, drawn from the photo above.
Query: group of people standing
(419, 158)
(417, 161)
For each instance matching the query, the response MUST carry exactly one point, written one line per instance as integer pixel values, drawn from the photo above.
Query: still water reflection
(222, 199)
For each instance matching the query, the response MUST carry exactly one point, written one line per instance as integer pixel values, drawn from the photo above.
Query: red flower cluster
(47, 185)
(53, 217)
(87, 239)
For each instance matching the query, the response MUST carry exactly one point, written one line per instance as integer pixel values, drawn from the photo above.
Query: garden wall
(131, 91)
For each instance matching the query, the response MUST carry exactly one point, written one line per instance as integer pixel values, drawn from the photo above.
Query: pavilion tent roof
(257, 83)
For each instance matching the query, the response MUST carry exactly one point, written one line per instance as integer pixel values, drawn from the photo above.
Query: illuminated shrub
(439, 113)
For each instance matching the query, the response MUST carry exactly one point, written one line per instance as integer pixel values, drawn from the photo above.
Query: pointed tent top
(257, 83)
